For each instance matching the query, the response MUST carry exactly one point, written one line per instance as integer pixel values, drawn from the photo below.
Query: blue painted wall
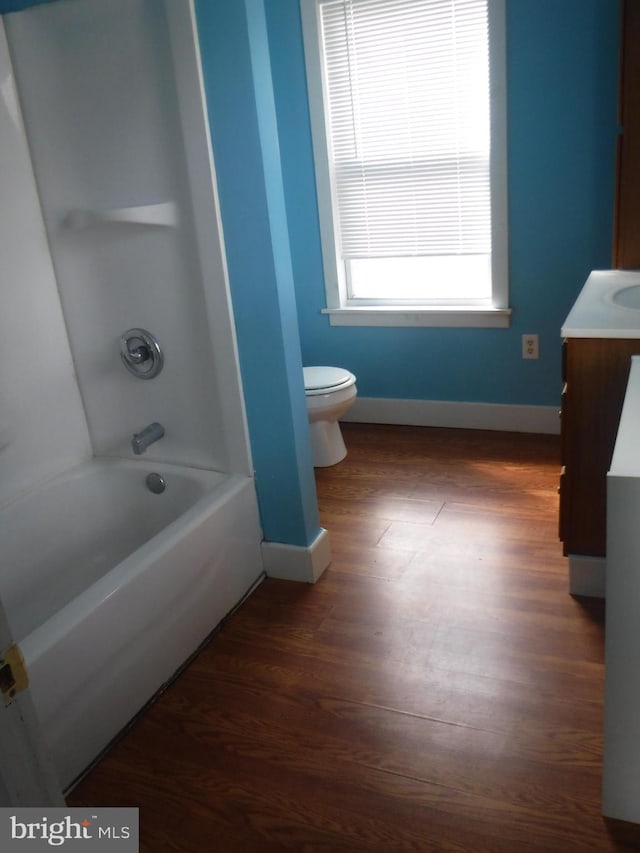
(237, 74)
(562, 95)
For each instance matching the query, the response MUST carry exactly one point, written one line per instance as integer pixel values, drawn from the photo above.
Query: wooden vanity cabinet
(595, 374)
(596, 370)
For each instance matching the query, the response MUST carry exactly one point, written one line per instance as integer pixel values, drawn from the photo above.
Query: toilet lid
(321, 378)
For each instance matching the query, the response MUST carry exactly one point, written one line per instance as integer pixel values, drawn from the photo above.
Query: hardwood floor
(437, 689)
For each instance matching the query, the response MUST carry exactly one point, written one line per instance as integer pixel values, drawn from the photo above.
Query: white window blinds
(407, 112)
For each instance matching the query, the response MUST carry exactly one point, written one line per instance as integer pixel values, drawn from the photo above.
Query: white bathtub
(109, 588)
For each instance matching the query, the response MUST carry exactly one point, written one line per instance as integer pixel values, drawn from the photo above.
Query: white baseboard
(442, 413)
(587, 575)
(295, 563)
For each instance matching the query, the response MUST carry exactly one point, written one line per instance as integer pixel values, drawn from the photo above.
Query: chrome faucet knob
(141, 354)
(138, 354)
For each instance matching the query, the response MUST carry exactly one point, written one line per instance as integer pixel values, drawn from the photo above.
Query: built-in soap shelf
(162, 215)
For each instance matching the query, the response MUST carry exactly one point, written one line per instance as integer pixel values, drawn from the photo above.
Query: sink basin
(628, 297)
(608, 306)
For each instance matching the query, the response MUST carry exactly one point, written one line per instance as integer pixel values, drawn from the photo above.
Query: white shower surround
(113, 121)
(112, 101)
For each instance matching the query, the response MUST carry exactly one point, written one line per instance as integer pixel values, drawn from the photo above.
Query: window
(407, 101)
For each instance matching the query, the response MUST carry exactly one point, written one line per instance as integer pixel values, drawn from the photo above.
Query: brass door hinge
(13, 674)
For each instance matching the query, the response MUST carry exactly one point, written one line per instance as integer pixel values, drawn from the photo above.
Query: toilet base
(327, 444)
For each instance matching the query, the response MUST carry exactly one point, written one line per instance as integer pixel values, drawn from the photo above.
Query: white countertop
(596, 315)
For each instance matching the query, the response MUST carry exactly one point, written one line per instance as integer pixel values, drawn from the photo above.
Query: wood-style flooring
(437, 689)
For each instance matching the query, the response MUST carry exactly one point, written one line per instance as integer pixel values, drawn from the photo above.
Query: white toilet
(330, 394)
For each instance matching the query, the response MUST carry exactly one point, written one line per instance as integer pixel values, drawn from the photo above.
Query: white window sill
(446, 316)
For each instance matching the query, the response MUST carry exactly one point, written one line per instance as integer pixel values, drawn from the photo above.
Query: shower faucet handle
(137, 354)
(141, 354)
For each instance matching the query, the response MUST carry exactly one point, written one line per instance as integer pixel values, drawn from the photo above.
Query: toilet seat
(324, 380)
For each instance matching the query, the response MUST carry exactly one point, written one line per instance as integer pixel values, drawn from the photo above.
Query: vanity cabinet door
(626, 243)
(597, 370)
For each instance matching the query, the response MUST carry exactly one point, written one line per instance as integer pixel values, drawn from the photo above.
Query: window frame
(343, 311)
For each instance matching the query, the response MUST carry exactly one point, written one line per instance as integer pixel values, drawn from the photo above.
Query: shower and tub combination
(128, 517)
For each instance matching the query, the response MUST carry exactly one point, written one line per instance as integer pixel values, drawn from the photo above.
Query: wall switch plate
(530, 347)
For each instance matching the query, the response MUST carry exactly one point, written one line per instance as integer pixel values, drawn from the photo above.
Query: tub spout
(142, 440)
